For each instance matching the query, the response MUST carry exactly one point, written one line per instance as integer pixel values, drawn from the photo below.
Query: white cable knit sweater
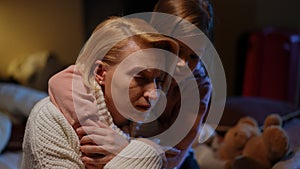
(51, 142)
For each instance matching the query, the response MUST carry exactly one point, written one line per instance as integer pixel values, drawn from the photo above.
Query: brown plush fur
(263, 150)
(236, 138)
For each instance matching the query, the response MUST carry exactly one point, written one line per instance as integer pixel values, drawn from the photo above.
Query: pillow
(22, 68)
(18, 99)
(34, 70)
(5, 131)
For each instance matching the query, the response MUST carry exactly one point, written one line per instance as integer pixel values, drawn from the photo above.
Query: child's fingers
(91, 130)
(92, 139)
(93, 149)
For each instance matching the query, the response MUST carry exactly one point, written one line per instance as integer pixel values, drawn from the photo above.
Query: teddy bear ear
(273, 120)
(248, 120)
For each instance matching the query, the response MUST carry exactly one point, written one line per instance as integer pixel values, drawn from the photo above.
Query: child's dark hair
(198, 12)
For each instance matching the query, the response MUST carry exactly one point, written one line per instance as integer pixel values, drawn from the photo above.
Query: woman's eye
(140, 79)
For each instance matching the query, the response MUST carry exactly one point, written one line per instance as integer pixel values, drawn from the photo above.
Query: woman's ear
(100, 71)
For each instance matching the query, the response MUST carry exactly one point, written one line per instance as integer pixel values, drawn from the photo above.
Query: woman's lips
(143, 107)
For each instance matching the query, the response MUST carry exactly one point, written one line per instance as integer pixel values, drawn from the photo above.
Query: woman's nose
(151, 91)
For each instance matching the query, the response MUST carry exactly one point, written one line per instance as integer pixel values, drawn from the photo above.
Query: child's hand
(100, 144)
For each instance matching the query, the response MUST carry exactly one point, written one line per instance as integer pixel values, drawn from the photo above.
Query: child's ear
(100, 71)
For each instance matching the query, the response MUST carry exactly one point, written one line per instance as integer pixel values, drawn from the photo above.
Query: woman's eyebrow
(137, 69)
(142, 70)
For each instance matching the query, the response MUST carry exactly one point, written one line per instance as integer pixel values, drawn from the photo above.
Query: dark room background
(63, 26)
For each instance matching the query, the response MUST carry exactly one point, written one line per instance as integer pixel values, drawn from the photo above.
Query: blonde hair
(111, 36)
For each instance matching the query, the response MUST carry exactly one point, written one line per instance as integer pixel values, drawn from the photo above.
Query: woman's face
(130, 87)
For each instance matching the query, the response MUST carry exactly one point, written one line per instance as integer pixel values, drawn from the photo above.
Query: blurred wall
(27, 27)
(236, 17)
(63, 25)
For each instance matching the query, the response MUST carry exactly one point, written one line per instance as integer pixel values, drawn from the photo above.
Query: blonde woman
(114, 60)
(196, 12)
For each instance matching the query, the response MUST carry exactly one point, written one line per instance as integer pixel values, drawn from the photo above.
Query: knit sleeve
(49, 140)
(137, 155)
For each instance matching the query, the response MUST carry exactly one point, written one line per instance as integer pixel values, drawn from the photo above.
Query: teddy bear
(264, 150)
(236, 138)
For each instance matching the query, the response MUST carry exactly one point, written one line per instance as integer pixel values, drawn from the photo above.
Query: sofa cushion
(256, 107)
(5, 131)
(18, 100)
